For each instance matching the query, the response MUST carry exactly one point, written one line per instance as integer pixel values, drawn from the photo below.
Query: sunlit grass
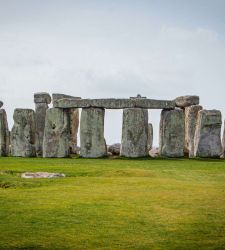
(113, 204)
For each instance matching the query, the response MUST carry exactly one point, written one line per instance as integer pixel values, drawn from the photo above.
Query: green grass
(113, 204)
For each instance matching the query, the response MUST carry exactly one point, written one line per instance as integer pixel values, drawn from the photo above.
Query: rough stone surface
(4, 134)
(114, 149)
(56, 134)
(207, 141)
(112, 103)
(188, 100)
(56, 97)
(135, 133)
(29, 175)
(23, 133)
(150, 136)
(224, 140)
(1, 104)
(191, 114)
(92, 142)
(154, 152)
(42, 97)
(172, 133)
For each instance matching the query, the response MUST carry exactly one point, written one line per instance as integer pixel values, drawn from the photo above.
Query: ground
(113, 204)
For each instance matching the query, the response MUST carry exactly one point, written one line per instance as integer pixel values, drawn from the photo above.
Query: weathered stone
(115, 103)
(135, 133)
(207, 141)
(150, 136)
(56, 134)
(42, 97)
(1, 104)
(114, 149)
(92, 140)
(224, 140)
(172, 133)
(30, 175)
(56, 97)
(4, 134)
(191, 114)
(23, 133)
(188, 100)
(154, 152)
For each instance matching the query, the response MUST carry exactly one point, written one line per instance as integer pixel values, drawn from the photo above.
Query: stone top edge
(1, 104)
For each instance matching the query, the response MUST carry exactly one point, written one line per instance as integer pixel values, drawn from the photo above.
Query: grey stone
(1, 104)
(115, 103)
(224, 140)
(56, 97)
(171, 137)
(42, 97)
(188, 100)
(135, 133)
(150, 136)
(154, 152)
(56, 133)
(92, 142)
(4, 134)
(31, 175)
(207, 141)
(23, 133)
(191, 114)
(114, 149)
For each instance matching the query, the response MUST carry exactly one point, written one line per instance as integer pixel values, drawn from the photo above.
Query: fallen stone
(114, 149)
(4, 134)
(191, 114)
(188, 100)
(154, 152)
(42, 97)
(23, 133)
(56, 133)
(29, 175)
(172, 133)
(92, 141)
(207, 141)
(112, 103)
(135, 133)
(1, 104)
(150, 136)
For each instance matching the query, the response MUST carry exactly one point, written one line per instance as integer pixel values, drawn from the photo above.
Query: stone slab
(57, 96)
(187, 100)
(42, 97)
(4, 134)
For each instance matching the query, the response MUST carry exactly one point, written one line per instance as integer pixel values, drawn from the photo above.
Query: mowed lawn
(113, 204)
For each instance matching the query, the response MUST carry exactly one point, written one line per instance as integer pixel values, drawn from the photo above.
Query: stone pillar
(135, 133)
(224, 140)
(171, 137)
(150, 136)
(41, 101)
(4, 133)
(23, 133)
(191, 114)
(56, 134)
(207, 141)
(74, 121)
(92, 142)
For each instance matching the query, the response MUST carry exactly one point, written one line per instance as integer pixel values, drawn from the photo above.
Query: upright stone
(172, 133)
(41, 101)
(92, 140)
(150, 136)
(207, 141)
(74, 120)
(135, 133)
(191, 114)
(23, 133)
(56, 134)
(4, 134)
(224, 140)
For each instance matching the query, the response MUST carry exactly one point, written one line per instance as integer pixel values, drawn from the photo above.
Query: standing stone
(135, 133)
(56, 134)
(92, 140)
(207, 141)
(191, 114)
(4, 134)
(150, 136)
(172, 133)
(74, 121)
(23, 133)
(41, 101)
(224, 140)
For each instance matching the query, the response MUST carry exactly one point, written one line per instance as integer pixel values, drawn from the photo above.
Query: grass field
(113, 204)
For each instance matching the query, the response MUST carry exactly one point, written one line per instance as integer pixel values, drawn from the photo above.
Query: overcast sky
(99, 48)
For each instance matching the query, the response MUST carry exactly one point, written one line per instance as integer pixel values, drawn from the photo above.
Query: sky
(160, 49)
